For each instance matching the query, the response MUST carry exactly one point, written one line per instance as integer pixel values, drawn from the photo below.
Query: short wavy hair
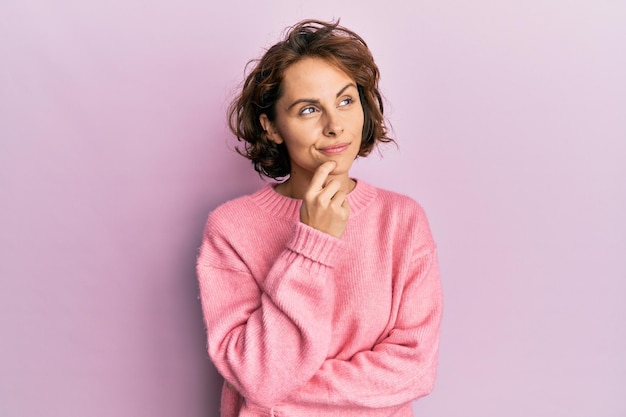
(262, 88)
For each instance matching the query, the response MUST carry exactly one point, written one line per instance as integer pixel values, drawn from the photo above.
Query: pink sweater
(300, 323)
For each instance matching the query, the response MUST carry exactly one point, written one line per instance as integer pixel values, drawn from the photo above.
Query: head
(264, 86)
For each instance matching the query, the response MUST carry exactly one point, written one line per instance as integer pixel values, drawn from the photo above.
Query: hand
(324, 206)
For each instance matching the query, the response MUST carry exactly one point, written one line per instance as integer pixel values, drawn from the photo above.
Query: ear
(270, 129)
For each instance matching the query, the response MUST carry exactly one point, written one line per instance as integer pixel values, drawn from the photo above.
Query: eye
(346, 101)
(308, 110)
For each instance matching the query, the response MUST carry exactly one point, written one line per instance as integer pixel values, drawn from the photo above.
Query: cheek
(358, 118)
(299, 134)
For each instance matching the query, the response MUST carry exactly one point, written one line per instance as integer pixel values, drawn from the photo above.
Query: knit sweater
(301, 323)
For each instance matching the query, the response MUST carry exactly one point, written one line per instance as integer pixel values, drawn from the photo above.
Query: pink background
(511, 121)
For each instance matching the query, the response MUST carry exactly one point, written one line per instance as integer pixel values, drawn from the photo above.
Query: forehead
(313, 78)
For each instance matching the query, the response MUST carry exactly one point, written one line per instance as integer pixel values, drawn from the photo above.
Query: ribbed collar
(286, 207)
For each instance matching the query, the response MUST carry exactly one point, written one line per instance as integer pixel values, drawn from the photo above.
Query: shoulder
(232, 207)
(399, 204)
(402, 216)
(233, 213)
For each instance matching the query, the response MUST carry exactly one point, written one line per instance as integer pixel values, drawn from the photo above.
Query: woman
(321, 294)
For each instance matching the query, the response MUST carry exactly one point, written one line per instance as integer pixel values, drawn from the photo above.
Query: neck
(297, 185)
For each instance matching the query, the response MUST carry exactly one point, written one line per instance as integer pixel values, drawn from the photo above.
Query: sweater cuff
(315, 245)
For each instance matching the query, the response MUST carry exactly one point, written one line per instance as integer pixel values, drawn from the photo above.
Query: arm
(268, 338)
(402, 366)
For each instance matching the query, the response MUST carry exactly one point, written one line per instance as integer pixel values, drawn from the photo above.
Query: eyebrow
(316, 101)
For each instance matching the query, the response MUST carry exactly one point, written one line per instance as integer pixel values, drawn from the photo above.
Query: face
(319, 117)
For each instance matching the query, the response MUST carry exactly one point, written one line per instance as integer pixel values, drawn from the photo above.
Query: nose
(332, 125)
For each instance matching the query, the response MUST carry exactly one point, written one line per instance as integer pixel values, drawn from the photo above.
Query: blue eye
(346, 101)
(308, 110)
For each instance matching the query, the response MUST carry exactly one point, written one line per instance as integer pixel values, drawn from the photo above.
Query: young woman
(321, 294)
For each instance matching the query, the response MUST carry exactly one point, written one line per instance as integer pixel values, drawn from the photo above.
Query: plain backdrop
(510, 118)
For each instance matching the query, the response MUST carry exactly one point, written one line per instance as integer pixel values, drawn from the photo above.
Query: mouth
(334, 149)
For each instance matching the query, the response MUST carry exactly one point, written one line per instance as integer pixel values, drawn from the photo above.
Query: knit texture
(300, 323)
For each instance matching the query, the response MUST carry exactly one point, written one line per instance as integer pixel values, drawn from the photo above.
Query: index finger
(321, 174)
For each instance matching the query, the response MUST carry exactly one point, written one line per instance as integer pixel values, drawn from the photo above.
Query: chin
(341, 169)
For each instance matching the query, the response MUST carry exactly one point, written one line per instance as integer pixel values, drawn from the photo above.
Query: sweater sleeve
(398, 369)
(268, 336)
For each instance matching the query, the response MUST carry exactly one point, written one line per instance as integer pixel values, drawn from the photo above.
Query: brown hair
(263, 87)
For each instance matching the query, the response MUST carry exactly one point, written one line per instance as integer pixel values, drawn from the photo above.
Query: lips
(334, 149)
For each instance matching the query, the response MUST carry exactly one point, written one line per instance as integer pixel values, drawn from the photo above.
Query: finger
(330, 191)
(339, 199)
(321, 174)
